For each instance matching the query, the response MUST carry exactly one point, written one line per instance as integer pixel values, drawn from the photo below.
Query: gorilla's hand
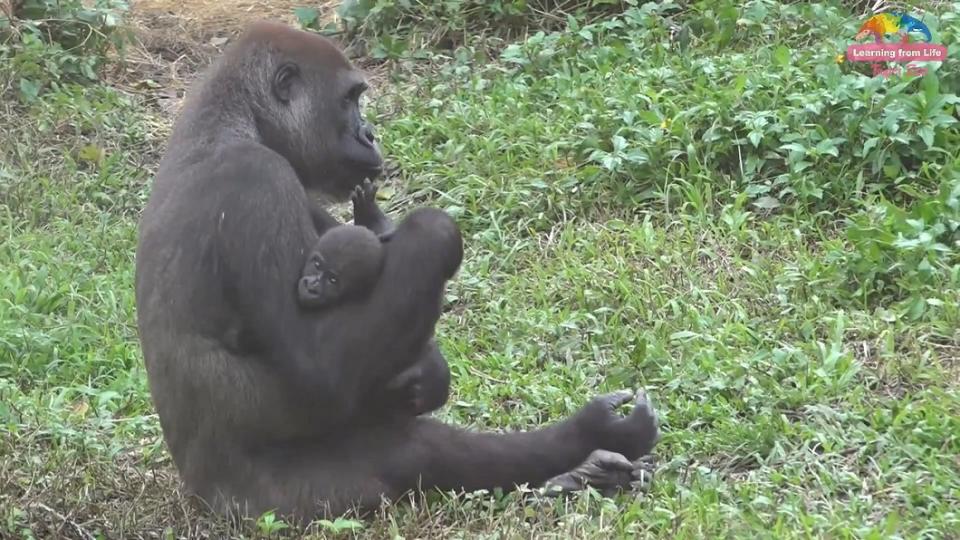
(406, 392)
(607, 472)
(632, 436)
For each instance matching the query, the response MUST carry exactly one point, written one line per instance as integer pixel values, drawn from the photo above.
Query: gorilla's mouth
(353, 172)
(370, 173)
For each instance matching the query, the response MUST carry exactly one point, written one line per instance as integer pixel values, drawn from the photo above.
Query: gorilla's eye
(316, 263)
(332, 279)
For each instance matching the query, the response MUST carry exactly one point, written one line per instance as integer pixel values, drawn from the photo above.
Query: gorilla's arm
(424, 252)
(260, 279)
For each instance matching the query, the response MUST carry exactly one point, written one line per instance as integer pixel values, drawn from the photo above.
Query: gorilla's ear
(283, 81)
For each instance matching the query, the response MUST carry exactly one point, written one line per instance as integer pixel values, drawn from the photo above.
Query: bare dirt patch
(173, 41)
(209, 19)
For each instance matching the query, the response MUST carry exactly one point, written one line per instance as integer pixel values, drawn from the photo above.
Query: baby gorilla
(344, 264)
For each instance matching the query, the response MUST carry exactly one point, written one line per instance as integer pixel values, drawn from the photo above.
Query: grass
(793, 310)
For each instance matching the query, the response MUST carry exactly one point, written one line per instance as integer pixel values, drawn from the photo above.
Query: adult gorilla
(269, 406)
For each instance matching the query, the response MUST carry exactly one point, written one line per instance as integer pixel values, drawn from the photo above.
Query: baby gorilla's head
(344, 264)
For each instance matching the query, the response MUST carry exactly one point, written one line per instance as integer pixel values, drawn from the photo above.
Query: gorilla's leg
(396, 457)
(606, 471)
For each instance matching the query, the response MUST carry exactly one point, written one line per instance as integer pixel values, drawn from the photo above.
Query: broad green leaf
(930, 85)
(90, 153)
(306, 16)
(781, 55)
(767, 203)
(29, 89)
(926, 134)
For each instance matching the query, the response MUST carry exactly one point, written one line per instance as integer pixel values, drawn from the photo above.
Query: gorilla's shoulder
(249, 162)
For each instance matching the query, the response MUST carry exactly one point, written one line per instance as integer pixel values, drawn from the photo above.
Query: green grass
(794, 311)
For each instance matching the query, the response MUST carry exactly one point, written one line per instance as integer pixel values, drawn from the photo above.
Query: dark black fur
(343, 266)
(269, 406)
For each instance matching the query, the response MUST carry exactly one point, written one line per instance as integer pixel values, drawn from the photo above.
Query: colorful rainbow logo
(883, 24)
(909, 54)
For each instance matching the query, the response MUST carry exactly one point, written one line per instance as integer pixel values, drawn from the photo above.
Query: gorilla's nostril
(368, 134)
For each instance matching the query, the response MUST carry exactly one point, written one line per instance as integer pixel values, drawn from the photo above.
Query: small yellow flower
(840, 58)
(665, 124)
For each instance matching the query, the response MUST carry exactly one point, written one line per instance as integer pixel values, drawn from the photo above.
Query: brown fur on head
(294, 92)
(303, 46)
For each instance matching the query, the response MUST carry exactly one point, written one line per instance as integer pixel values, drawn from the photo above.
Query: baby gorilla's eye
(332, 279)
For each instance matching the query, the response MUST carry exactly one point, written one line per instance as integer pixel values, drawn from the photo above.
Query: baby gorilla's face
(320, 285)
(343, 265)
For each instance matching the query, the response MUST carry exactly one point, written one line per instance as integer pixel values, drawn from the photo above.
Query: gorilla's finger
(616, 399)
(607, 460)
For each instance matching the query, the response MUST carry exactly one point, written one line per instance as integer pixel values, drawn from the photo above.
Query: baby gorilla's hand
(364, 198)
(367, 214)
